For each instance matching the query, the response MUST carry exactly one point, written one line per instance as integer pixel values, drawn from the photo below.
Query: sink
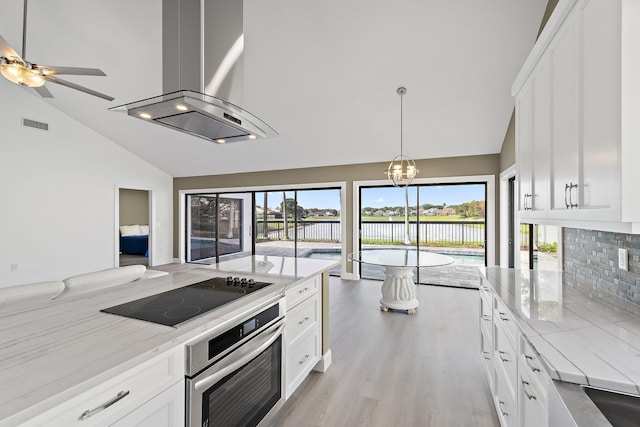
(621, 410)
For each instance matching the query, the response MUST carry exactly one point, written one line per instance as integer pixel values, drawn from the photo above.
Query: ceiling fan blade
(77, 87)
(50, 70)
(7, 50)
(43, 92)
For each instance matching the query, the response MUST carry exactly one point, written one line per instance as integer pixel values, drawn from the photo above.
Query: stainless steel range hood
(203, 73)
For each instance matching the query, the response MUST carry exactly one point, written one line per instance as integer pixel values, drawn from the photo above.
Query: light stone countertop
(52, 353)
(584, 335)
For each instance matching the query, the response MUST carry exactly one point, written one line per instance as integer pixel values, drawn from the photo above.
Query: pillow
(101, 279)
(28, 295)
(130, 230)
(144, 230)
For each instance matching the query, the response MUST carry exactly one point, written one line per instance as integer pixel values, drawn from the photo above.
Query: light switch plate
(623, 259)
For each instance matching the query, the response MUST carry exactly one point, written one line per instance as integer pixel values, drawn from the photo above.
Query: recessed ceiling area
(323, 74)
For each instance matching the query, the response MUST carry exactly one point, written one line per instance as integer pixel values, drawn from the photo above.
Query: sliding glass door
(216, 225)
(442, 218)
(294, 223)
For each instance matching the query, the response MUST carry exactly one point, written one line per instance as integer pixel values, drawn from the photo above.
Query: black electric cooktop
(179, 305)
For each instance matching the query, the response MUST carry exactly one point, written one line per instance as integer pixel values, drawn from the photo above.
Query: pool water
(460, 259)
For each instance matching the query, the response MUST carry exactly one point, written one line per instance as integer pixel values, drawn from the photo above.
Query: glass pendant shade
(401, 171)
(21, 75)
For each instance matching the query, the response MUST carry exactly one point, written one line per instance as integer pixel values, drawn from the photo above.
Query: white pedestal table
(398, 288)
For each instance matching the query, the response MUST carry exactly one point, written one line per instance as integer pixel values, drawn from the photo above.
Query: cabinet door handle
(527, 358)
(486, 355)
(304, 359)
(303, 321)
(486, 317)
(505, 413)
(526, 393)
(571, 187)
(90, 412)
(567, 190)
(501, 358)
(503, 316)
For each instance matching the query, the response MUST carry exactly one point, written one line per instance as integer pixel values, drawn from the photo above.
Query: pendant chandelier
(402, 169)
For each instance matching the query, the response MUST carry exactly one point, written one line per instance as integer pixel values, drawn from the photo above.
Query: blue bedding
(136, 245)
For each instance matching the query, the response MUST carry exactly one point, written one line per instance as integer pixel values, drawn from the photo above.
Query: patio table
(398, 287)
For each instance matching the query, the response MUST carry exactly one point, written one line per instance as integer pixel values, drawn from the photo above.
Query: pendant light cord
(401, 91)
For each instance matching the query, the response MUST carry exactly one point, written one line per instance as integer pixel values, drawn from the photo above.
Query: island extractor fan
(17, 69)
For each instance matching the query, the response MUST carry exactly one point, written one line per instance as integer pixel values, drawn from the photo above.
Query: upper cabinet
(577, 106)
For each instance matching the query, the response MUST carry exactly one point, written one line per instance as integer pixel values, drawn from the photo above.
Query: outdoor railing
(436, 233)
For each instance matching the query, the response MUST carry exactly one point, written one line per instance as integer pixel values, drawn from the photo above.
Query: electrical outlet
(623, 259)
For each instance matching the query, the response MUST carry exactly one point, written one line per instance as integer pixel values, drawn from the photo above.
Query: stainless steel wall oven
(235, 375)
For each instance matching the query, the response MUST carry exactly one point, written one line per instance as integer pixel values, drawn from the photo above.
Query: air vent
(34, 124)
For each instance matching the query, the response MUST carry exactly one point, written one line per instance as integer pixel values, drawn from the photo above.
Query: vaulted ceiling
(324, 74)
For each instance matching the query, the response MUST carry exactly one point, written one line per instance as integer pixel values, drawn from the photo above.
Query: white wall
(58, 192)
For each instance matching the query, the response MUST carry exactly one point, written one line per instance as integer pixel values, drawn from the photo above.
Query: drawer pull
(501, 358)
(88, 413)
(503, 316)
(505, 413)
(527, 359)
(486, 355)
(304, 359)
(303, 321)
(526, 393)
(302, 291)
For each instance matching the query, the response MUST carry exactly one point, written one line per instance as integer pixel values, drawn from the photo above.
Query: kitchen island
(60, 352)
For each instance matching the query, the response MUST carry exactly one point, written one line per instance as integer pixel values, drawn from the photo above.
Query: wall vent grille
(35, 124)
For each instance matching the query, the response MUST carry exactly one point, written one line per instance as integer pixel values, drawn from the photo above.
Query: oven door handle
(238, 358)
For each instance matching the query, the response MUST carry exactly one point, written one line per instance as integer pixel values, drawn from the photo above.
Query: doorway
(133, 227)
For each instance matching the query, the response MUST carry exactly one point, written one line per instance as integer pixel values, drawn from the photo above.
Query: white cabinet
(139, 393)
(564, 145)
(533, 143)
(164, 410)
(532, 387)
(517, 378)
(532, 408)
(587, 160)
(303, 331)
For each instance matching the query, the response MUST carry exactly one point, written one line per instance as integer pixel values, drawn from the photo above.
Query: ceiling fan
(18, 70)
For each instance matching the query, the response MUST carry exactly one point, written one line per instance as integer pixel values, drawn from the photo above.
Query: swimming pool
(460, 258)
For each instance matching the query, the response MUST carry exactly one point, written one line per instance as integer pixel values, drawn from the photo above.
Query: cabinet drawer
(303, 317)
(301, 358)
(503, 317)
(120, 395)
(301, 291)
(532, 403)
(505, 358)
(532, 365)
(486, 352)
(505, 402)
(486, 311)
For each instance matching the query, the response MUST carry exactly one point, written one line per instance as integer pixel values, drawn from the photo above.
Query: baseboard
(349, 276)
(177, 261)
(324, 363)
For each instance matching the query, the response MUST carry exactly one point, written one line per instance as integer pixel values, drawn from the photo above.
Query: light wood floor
(391, 369)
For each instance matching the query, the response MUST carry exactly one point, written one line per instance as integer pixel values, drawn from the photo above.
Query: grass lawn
(423, 218)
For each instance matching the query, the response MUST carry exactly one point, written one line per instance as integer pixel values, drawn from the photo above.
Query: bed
(134, 239)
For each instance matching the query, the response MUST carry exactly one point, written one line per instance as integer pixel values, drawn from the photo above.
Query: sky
(383, 196)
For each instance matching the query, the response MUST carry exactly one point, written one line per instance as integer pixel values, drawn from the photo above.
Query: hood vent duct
(202, 74)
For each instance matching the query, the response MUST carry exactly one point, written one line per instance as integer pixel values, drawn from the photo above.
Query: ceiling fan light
(35, 79)
(21, 75)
